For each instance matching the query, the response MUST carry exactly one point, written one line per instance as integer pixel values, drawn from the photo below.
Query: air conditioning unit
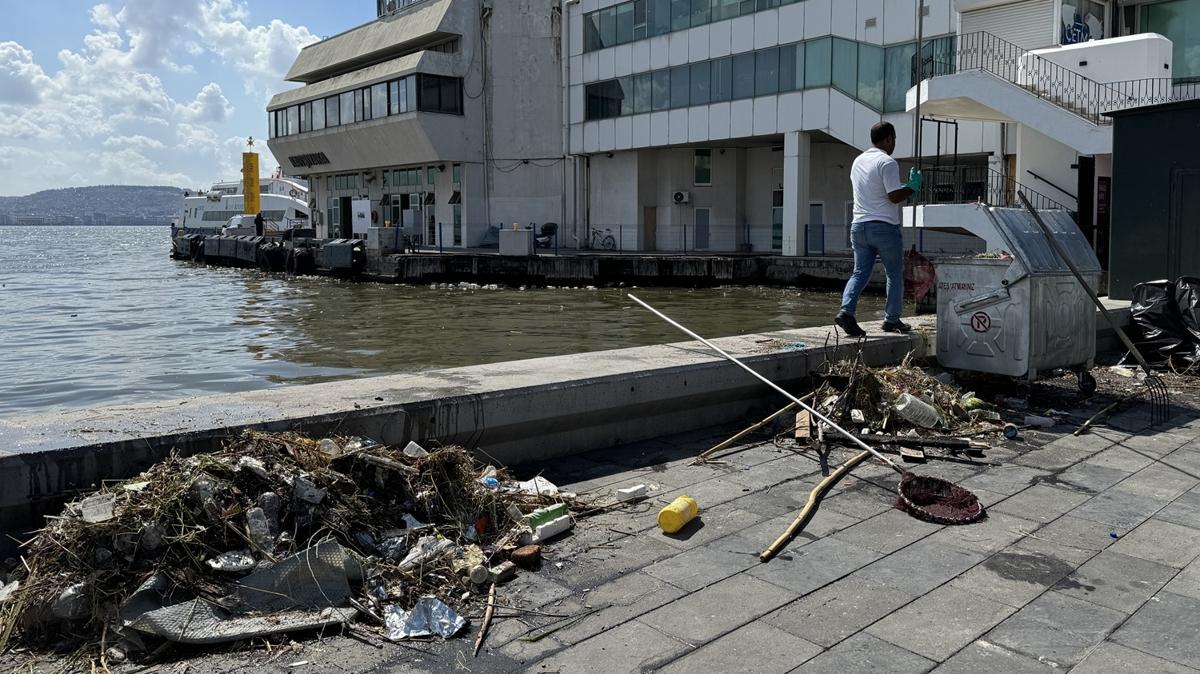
(681, 197)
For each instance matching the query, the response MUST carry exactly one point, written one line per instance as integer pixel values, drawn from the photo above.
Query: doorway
(649, 228)
(815, 231)
(346, 221)
(700, 218)
(1185, 203)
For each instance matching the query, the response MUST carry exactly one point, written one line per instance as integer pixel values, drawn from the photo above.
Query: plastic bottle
(676, 515)
(917, 411)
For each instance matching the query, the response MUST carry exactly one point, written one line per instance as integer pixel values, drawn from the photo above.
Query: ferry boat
(284, 205)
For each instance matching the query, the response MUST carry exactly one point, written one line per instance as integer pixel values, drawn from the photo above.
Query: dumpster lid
(1030, 247)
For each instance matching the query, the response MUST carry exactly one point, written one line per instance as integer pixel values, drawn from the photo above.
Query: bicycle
(605, 241)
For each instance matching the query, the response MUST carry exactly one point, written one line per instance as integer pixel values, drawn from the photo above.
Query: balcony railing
(1043, 78)
(975, 184)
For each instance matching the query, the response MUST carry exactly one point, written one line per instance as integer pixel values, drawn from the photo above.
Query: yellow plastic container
(675, 516)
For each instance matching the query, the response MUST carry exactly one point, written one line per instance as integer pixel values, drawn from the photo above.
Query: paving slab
(865, 653)
(708, 526)
(1054, 458)
(922, 566)
(1118, 509)
(983, 657)
(702, 616)
(709, 494)
(1121, 458)
(601, 561)
(1113, 658)
(1156, 444)
(1040, 503)
(825, 522)
(1091, 477)
(504, 637)
(1186, 583)
(757, 648)
(1186, 459)
(1014, 576)
(887, 532)
(706, 564)
(1159, 482)
(1160, 541)
(940, 623)
(1083, 537)
(1055, 628)
(996, 532)
(863, 499)
(1184, 510)
(838, 611)
(812, 566)
(1165, 627)
(617, 602)
(1116, 581)
(631, 647)
(1097, 440)
(1007, 479)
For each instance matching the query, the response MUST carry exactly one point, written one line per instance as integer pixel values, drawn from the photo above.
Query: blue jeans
(871, 239)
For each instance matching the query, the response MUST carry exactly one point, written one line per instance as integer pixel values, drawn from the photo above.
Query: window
(701, 12)
(624, 23)
(331, 111)
(639, 19)
(379, 100)
(604, 99)
(870, 75)
(271, 124)
(347, 104)
(394, 99)
(897, 77)
(641, 93)
(661, 85)
(438, 94)
(743, 75)
(700, 78)
(408, 88)
(702, 168)
(305, 117)
(625, 93)
(608, 26)
(458, 225)
(791, 67)
(680, 87)
(293, 120)
(1179, 21)
(818, 62)
(724, 9)
(777, 220)
(721, 83)
(456, 174)
(358, 105)
(431, 173)
(845, 66)
(681, 14)
(318, 115)
(591, 32)
(766, 72)
(659, 17)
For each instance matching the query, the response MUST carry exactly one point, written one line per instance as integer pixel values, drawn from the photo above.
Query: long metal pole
(920, 73)
(849, 436)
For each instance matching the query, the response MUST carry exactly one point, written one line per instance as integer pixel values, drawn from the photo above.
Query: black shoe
(899, 326)
(849, 325)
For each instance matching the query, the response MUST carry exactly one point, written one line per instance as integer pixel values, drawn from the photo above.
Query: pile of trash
(277, 533)
(900, 399)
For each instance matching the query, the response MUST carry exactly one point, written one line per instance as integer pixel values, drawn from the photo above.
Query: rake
(1156, 389)
(925, 497)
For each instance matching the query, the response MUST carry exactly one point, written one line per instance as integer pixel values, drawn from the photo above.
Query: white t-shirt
(875, 175)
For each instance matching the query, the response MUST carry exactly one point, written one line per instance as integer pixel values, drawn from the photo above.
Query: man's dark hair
(881, 132)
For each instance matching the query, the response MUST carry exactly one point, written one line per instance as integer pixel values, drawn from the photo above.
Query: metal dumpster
(1025, 316)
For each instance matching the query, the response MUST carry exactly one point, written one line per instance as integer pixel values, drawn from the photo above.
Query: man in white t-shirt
(875, 231)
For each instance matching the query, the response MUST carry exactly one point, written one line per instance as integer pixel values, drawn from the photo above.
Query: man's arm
(898, 192)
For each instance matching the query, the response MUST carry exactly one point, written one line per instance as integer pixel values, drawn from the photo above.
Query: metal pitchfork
(1156, 389)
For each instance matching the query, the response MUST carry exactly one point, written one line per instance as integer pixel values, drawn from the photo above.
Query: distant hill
(103, 204)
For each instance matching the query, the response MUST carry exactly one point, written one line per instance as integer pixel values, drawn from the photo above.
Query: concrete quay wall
(515, 412)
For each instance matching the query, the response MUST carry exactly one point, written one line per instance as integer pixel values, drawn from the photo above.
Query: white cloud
(21, 80)
(113, 110)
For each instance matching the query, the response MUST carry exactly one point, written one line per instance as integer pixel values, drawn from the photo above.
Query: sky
(147, 92)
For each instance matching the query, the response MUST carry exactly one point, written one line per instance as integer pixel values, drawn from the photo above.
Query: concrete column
(797, 161)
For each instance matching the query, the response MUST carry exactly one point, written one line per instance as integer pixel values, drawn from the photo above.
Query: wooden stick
(1087, 425)
(810, 508)
(487, 620)
(723, 445)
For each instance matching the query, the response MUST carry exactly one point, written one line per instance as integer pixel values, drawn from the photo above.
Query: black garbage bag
(1187, 301)
(1158, 325)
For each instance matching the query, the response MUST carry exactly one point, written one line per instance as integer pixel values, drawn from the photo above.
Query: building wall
(1050, 159)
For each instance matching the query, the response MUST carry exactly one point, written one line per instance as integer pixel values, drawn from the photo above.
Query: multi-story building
(441, 116)
(718, 125)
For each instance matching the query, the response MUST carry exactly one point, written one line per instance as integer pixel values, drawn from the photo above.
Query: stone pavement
(1087, 563)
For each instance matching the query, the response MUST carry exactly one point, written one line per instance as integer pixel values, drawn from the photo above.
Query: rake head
(1159, 398)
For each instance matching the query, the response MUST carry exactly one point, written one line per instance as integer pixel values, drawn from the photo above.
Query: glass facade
(880, 78)
(640, 19)
(424, 93)
(1179, 21)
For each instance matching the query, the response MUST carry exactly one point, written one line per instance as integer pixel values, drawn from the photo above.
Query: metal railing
(973, 183)
(1043, 78)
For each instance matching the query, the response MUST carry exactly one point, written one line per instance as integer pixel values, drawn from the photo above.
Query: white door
(701, 217)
